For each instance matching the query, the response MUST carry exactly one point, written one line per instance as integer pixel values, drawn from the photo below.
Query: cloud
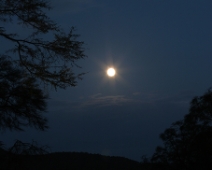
(136, 93)
(112, 100)
(181, 98)
(136, 99)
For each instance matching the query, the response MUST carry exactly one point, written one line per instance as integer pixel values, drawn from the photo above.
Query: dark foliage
(188, 143)
(21, 100)
(42, 53)
(50, 60)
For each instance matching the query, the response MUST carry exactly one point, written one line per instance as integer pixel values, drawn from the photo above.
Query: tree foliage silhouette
(187, 143)
(21, 101)
(49, 60)
(41, 54)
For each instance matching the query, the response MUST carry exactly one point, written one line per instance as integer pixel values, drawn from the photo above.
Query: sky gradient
(162, 52)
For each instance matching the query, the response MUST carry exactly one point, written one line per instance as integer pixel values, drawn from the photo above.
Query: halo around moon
(111, 72)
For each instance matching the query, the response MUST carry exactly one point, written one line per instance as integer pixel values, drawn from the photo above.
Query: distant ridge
(67, 160)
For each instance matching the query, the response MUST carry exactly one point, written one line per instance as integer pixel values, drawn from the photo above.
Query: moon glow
(111, 72)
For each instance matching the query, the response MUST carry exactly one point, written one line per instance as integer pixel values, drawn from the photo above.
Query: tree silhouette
(41, 55)
(50, 60)
(187, 143)
(21, 100)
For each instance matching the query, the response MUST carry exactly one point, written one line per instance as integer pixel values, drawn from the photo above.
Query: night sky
(162, 53)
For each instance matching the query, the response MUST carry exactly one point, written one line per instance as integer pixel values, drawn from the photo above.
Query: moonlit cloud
(112, 100)
(99, 100)
(180, 98)
(136, 93)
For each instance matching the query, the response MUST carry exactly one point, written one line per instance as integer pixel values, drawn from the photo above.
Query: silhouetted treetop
(201, 110)
(187, 143)
(39, 51)
(50, 60)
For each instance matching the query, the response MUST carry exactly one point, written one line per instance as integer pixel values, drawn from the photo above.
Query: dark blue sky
(162, 52)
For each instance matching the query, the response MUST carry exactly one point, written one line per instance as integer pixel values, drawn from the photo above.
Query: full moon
(111, 72)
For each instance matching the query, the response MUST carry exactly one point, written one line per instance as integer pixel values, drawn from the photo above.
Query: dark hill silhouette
(66, 160)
